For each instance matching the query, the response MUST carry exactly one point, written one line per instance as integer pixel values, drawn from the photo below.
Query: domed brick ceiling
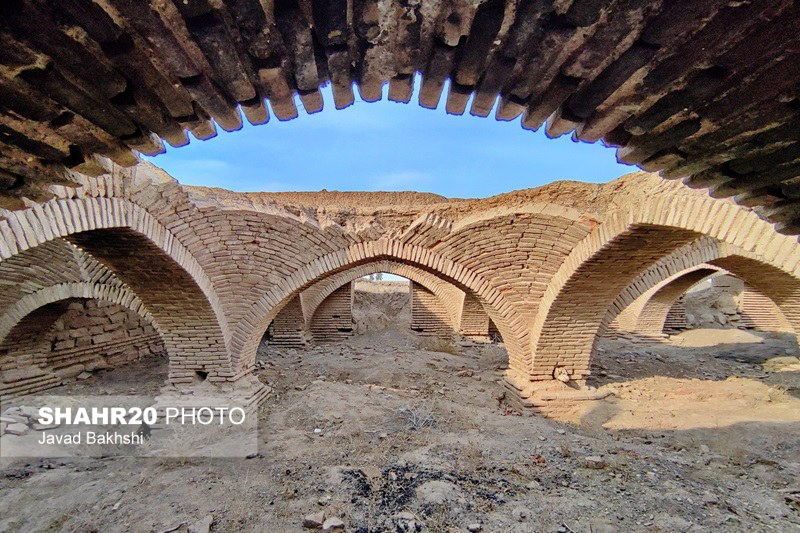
(705, 91)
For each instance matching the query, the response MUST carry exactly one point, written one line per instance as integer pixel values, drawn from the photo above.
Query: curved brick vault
(549, 266)
(451, 297)
(576, 306)
(654, 313)
(375, 252)
(99, 325)
(706, 254)
(296, 320)
(703, 90)
(115, 294)
(146, 258)
(648, 315)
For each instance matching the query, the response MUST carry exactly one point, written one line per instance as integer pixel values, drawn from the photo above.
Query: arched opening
(627, 251)
(171, 295)
(443, 280)
(384, 301)
(370, 299)
(122, 241)
(723, 301)
(76, 338)
(703, 305)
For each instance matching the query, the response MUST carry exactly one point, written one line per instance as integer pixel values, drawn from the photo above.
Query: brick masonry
(549, 267)
(428, 313)
(702, 90)
(333, 319)
(61, 340)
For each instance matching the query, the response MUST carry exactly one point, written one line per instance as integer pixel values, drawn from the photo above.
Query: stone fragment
(595, 462)
(17, 429)
(203, 525)
(29, 412)
(314, 520)
(520, 514)
(333, 523)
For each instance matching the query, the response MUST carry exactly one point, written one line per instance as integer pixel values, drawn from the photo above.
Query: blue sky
(387, 146)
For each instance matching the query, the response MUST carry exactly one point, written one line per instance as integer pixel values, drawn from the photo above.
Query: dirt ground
(391, 431)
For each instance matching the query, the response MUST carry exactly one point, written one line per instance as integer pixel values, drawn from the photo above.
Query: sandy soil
(390, 433)
(381, 305)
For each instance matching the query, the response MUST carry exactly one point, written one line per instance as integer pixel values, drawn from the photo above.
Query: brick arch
(450, 296)
(146, 256)
(65, 291)
(684, 259)
(251, 328)
(650, 311)
(572, 312)
(704, 253)
(779, 286)
(36, 355)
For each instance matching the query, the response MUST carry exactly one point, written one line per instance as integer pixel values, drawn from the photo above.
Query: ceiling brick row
(705, 91)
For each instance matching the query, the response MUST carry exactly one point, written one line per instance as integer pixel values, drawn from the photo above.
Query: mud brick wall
(61, 340)
(333, 319)
(474, 320)
(761, 313)
(428, 314)
(289, 329)
(676, 318)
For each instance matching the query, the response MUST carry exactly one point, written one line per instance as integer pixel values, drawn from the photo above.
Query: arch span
(54, 334)
(149, 260)
(649, 312)
(684, 259)
(450, 296)
(572, 312)
(64, 291)
(248, 334)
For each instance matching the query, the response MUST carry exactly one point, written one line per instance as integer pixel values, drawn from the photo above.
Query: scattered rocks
(474, 528)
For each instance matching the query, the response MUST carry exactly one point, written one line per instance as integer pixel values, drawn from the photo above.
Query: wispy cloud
(387, 146)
